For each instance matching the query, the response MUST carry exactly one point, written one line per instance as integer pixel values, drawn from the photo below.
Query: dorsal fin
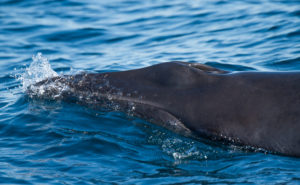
(203, 67)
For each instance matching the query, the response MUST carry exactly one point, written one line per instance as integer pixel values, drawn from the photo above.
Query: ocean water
(54, 142)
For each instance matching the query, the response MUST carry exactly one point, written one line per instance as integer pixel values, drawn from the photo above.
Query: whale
(251, 108)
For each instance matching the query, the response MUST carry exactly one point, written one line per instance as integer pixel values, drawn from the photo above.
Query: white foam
(38, 70)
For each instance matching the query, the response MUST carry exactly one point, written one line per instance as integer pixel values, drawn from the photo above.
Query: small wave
(180, 149)
(38, 70)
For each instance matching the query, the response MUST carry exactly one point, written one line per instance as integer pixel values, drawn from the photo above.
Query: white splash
(38, 70)
(180, 149)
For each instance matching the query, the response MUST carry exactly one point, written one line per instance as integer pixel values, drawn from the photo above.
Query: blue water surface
(55, 142)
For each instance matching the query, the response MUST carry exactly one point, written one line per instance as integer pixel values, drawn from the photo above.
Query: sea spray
(40, 69)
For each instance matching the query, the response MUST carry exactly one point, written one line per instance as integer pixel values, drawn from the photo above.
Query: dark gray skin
(258, 109)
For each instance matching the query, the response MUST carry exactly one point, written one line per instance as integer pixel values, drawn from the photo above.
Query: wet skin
(258, 109)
